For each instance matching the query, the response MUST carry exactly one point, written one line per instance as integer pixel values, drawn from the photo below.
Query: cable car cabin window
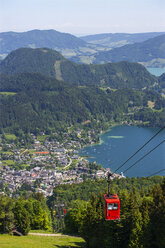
(112, 206)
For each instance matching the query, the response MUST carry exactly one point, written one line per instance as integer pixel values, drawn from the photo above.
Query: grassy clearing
(6, 153)
(32, 151)
(23, 166)
(41, 231)
(8, 93)
(42, 138)
(146, 122)
(7, 241)
(10, 136)
(8, 162)
(58, 70)
(157, 110)
(105, 88)
(151, 104)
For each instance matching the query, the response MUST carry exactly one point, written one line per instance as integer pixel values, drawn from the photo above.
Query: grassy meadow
(7, 241)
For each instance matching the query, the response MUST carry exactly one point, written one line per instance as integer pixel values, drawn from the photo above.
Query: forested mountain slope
(142, 219)
(31, 101)
(161, 80)
(51, 63)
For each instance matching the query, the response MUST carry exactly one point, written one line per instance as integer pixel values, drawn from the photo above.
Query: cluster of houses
(44, 180)
(46, 165)
(40, 179)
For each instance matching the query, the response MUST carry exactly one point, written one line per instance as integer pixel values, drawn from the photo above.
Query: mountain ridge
(77, 49)
(144, 52)
(113, 40)
(65, 43)
(51, 63)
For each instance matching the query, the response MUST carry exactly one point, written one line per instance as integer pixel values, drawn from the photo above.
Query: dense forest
(24, 214)
(142, 219)
(162, 81)
(142, 222)
(30, 100)
(51, 63)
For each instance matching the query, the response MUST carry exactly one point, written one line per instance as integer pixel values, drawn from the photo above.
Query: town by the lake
(47, 163)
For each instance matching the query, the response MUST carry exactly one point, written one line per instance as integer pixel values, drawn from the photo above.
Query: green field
(42, 138)
(10, 136)
(8, 162)
(7, 241)
(8, 93)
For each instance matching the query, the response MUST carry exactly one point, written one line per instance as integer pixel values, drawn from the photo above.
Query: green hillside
(41, 102)
(31, 60)
(150, 53)
(51, 63)
(8, 241)
(33, 101)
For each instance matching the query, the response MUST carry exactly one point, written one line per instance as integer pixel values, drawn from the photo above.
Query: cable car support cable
(144, 156)
(112, 202)
(140, 149)
(155, 173)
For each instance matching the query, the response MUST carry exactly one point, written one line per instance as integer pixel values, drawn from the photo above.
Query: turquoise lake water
(156, 71)
(118, 144)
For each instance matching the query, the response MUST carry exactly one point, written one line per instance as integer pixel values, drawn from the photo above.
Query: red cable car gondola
(111, 204)
(112, 207)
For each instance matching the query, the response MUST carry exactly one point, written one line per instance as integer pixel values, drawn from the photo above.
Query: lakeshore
(48, 162)
(127, 139)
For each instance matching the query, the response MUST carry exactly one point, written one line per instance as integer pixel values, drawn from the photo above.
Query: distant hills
(67, 44)
(52, 64)
(150, 53)
(119, 39)
(145, 48)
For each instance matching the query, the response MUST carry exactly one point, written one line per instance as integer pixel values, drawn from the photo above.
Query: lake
(156, 71)
(120, 142)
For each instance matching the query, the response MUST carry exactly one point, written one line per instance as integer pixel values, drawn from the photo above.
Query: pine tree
(136, 229)
(145, 210)
(6, 215)
(157, 218)
(22, 220)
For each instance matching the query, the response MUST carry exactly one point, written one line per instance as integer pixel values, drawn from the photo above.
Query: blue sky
(83, 16)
